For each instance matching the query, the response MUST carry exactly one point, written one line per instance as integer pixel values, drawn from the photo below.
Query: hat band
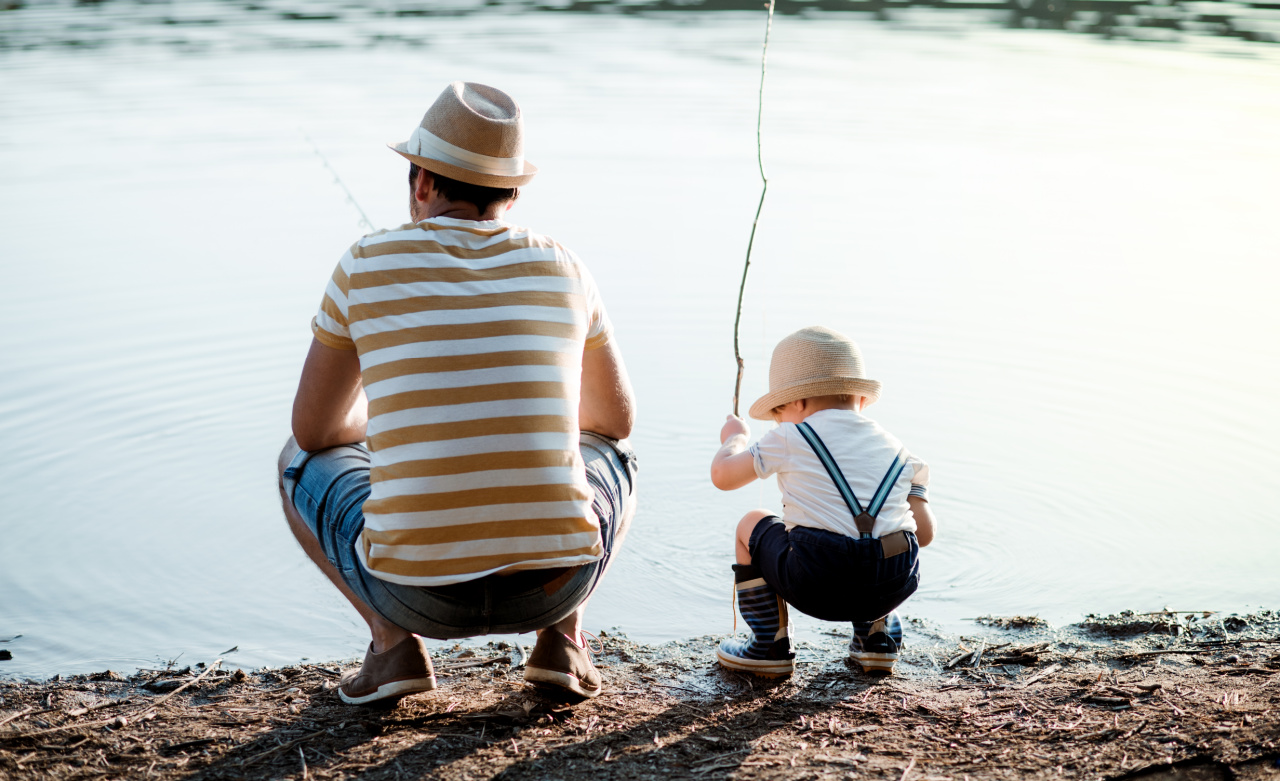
(426, 144)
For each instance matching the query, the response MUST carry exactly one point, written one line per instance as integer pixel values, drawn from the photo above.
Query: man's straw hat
(472, 133)
(814, 361)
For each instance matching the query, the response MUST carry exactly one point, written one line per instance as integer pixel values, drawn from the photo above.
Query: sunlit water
(1058, 253)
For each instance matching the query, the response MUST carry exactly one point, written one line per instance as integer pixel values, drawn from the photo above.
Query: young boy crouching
(854, 509)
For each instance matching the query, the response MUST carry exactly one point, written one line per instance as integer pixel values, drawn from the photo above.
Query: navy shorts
(831, 576)
(329, 488)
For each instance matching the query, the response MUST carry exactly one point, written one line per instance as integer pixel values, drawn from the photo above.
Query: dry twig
(764, 188)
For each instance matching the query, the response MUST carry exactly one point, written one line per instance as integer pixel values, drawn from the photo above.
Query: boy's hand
(733, 465)
(734, 425)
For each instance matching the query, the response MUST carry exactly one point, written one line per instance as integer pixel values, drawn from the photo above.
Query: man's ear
(422, 188)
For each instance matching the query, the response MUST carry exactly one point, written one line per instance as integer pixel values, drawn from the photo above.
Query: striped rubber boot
(875, 644)
(768, 651)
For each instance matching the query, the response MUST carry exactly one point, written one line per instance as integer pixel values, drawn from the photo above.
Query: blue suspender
(864, 519)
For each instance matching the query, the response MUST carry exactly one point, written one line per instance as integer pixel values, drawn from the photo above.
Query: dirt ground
(1159, 696)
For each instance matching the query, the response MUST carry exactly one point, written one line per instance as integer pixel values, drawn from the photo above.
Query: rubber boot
(768, 652)
(875, 645)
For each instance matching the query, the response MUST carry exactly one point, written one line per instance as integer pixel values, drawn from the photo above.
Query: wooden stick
(191, 682)
(17, 715)
(764, 188)
(906, 772)
(281, 747)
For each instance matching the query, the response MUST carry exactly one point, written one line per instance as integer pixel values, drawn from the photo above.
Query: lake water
(1058, 252)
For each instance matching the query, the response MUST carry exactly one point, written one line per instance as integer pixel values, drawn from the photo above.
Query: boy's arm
(925, 522)
(733, 465)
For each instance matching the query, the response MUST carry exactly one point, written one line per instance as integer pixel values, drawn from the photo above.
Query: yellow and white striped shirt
(470, 337)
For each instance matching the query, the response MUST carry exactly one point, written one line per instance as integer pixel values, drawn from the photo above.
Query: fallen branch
(184, 686)
(1046, 671)
(16, 716)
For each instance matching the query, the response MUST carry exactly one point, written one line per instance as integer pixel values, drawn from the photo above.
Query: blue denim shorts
(831, 576)
(329, 488)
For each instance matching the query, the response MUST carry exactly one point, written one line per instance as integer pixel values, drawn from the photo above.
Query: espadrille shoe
(768, 651)
(875, 645)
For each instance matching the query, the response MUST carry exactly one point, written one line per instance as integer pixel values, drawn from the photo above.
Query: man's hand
(330, 408)
(734, 425)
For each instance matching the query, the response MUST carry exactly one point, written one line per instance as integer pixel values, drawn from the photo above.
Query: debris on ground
(1011, 702)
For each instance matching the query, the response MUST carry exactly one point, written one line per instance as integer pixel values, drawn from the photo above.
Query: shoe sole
(875, 664)
(765, 668)
(559, 683)
(395, 689)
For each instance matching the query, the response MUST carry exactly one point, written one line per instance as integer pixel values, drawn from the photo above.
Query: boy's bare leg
(384, 633)
(748, 524)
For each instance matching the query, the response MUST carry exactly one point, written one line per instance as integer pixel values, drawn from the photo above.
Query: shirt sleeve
(330, 325)
(599, 329)
(919, 477)
(770, 453)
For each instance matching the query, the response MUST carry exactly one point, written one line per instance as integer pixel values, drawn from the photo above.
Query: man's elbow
(623, 426)
(307, 440)
(309, 436)
(617, 424)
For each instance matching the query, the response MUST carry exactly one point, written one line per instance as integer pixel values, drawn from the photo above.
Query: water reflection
(98, 23)
(1061, 270)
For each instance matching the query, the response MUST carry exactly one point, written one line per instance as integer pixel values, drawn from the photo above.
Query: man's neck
(458, 210)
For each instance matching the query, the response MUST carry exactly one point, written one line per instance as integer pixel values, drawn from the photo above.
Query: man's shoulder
(491, 236)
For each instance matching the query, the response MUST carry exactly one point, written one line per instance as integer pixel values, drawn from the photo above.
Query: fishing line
(351, 199)
(764, 188)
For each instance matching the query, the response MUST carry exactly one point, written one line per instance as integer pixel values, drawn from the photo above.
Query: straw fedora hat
(814, 361)
(472, 133)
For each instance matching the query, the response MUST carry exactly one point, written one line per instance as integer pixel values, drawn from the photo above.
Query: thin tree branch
(764, 188)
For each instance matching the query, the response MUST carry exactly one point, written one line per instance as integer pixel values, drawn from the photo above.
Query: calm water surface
(1058, 253)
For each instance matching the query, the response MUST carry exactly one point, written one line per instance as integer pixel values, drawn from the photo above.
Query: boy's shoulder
(849, 426)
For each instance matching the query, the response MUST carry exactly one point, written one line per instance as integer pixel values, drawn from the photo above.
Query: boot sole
(873, 663)
(395, 689)
(765, 668)
(559, 683)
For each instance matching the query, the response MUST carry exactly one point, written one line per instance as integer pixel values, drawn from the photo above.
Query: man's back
(470, 337)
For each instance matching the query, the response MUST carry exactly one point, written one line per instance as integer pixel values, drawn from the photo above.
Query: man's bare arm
(330, 408)
(608, 404)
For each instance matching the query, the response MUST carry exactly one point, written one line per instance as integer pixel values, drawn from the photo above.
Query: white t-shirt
(864, 452)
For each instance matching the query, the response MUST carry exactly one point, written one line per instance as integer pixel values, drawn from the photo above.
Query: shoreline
(1162, 696)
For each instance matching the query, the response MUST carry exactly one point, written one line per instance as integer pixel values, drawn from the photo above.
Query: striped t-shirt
(470, 337)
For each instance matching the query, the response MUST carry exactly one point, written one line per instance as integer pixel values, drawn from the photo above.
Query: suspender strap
(864, 519)
(886, 485)
(833, 469)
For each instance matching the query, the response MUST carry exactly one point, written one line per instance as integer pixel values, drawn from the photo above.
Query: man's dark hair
(454, 190)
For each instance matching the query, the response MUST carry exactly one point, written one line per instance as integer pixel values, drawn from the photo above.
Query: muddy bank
(1159, 696)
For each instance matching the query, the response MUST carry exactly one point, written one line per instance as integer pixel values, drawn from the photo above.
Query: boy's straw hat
(814, 361)
(472, 133)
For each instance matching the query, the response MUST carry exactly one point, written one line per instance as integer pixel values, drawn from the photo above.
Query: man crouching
(455, 467)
